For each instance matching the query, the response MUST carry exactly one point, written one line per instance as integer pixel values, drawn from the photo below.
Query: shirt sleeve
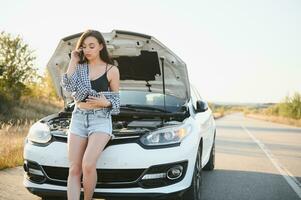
(114, 98)
(69, 83)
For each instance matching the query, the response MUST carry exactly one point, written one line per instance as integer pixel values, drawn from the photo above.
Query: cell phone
(81, 57)
(85, 99)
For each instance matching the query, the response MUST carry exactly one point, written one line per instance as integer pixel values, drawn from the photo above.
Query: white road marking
(290, 179)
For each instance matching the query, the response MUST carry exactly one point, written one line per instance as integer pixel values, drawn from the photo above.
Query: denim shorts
(86, 122)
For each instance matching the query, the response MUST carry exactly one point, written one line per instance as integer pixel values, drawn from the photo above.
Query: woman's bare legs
(76, 149)
(96, 144)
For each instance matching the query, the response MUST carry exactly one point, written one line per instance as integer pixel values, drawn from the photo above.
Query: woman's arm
(69, 78)
(113, 96)
(113, 78)
(69, 83)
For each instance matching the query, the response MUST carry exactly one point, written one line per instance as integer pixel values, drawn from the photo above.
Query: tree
(16, 69)
(44, 88)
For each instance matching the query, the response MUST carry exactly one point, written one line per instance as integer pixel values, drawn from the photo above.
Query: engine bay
(122, 126)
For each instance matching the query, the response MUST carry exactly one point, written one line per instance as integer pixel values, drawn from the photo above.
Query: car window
(150, 99)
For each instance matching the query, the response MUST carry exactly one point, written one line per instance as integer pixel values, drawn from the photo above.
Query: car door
(204, 120)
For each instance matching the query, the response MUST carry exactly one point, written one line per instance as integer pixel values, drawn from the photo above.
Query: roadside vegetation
(222, 110)
(25, 96)
(11, 144)
(286, 112)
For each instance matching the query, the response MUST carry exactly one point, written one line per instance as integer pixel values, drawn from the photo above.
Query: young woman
(94, 83)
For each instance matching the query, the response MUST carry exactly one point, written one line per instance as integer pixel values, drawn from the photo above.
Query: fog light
(35, 172)
(175, 172)
(25, 166)
(154, 176)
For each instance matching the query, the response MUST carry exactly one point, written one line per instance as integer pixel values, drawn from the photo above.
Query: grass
(218, 115)
(277, 113)
(31, 109)
(276, 119)
(222, 110)
(11, 144)
(15, 126)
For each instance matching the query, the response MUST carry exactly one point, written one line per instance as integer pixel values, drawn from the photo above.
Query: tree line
(18, 75)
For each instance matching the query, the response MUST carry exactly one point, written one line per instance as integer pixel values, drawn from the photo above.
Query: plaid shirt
(80, 86)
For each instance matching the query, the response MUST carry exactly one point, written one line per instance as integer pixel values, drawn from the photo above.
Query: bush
(16, 70)
(290, 107)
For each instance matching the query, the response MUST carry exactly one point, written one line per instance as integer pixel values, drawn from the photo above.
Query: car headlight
(39, 133)
(166, 136)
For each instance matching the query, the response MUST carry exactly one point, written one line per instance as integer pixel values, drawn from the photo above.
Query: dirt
(11, 185)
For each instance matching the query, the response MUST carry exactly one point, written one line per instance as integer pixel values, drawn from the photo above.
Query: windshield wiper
(142, 107)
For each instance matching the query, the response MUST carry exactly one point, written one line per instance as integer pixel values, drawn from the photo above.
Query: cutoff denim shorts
(86, 122)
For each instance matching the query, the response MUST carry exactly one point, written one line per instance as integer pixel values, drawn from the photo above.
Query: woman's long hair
(104, 55)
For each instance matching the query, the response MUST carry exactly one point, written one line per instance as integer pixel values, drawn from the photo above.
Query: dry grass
(11, 144)
(277, 119)
(16, 125)
(35, 109)
(217, 115)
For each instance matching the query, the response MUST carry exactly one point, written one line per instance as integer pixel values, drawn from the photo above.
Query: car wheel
(194, 191)
(210, 164)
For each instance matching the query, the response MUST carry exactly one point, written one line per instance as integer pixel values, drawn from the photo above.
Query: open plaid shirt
(80, 86)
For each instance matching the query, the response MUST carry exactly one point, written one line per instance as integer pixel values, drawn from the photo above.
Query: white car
(164, 134)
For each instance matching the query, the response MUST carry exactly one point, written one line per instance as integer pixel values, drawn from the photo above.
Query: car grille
(106, 178)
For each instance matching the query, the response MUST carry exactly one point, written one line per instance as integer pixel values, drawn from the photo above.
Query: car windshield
(149, 99)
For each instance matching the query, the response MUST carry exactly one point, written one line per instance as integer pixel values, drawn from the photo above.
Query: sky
(243, 51)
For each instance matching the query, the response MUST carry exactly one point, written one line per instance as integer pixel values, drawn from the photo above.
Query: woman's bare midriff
(86, 106)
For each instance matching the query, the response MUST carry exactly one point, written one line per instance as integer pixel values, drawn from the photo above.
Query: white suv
(164, 134)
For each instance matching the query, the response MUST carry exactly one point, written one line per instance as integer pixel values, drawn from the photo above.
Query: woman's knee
(88, 167)
(75, 170)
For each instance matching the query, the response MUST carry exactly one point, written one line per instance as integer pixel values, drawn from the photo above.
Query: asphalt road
(254, 160)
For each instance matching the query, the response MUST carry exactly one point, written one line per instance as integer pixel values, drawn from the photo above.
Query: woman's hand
(75, 56)
(73, 62)
(97, 102)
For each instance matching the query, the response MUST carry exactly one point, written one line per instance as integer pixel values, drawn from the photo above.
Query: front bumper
(63, 193)
(128, 156)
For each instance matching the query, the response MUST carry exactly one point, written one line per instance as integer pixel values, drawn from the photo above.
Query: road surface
(254, 160)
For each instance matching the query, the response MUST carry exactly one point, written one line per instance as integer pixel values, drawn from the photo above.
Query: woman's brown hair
(104, 55)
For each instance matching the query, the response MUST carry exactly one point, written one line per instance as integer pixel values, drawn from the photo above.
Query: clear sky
(235, 50)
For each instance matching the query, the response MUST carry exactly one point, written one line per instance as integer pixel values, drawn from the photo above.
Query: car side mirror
(201, 106)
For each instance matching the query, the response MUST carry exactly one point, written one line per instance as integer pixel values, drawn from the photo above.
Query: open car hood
(139, 58)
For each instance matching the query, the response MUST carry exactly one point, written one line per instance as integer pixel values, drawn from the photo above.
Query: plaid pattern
(80, 86)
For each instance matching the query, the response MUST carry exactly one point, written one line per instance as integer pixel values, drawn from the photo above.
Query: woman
(94, 83)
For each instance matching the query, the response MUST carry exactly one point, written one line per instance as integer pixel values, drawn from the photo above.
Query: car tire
(194, 191)
(211, 163)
